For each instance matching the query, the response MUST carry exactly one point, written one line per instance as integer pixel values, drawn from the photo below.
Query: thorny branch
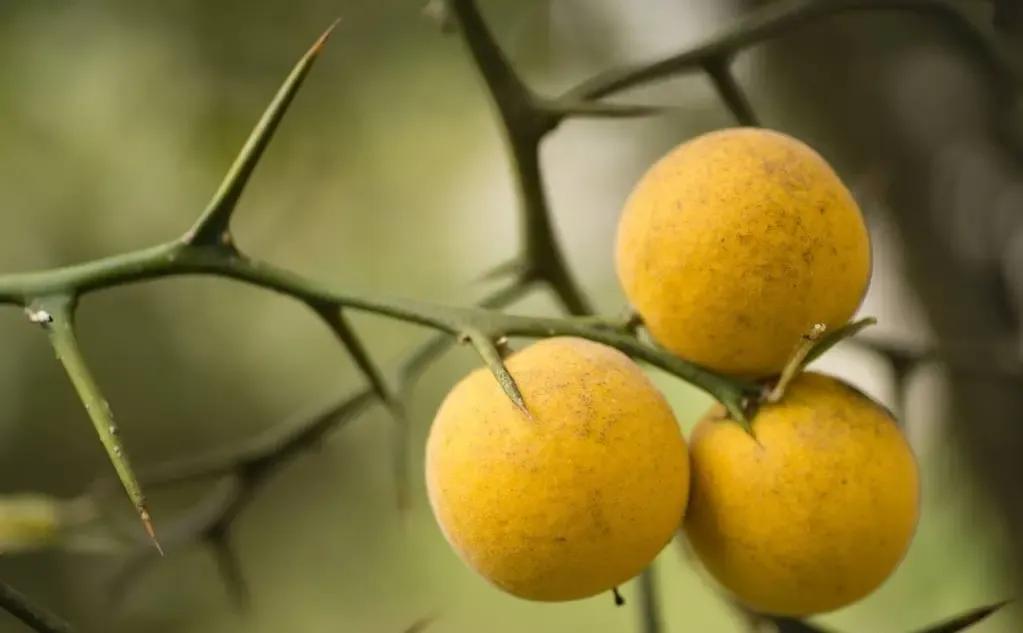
(208, 248)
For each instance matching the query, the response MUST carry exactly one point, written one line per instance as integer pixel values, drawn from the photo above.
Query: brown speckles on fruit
(741, 221)
(575, 501)
(813, 514)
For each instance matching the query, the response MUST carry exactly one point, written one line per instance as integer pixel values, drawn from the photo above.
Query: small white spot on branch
(42, 317)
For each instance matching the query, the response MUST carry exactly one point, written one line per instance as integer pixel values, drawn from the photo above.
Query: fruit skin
(575, 500)
(735, 244)
(813, 514)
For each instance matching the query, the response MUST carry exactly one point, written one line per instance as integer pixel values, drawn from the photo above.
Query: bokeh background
(118, 118)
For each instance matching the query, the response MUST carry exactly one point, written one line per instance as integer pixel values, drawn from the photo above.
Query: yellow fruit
(576, 498)
(736, 243)
(816, 511)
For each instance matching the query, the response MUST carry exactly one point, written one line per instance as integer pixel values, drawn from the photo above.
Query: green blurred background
(117, 120)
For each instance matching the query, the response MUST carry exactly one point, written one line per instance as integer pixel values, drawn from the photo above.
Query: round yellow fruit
(572, 500)
(735, 244)
(813, 514)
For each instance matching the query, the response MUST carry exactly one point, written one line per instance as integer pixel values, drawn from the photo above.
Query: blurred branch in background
(34, 616)
(246, 469)
(774, 19)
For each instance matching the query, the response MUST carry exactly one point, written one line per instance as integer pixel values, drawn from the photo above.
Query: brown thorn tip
(147, 523)
(318, 46)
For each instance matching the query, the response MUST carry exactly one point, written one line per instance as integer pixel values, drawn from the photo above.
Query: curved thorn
(213, 225)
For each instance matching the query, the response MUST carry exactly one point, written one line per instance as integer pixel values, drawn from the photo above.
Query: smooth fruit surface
(814, 513)
(736, 243)
(576, 498)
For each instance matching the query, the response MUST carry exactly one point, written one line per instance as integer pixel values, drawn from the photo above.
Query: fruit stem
(619, 600)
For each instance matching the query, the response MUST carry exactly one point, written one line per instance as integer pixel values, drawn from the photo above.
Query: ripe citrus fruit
(813, 512)
(737, 242)
(572, 500)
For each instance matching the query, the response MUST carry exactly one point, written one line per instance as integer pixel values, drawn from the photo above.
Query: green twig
(191, 260)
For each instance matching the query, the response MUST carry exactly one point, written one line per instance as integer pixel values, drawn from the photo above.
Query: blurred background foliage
(117, 120)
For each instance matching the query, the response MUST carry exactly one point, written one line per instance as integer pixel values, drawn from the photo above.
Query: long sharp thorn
(147, 523)
(214, 223)
(60, 327)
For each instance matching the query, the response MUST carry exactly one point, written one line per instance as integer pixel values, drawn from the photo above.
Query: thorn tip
(147, 523)
(322, 41)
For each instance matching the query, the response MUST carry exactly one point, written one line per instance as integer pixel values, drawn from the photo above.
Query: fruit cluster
(731, 248)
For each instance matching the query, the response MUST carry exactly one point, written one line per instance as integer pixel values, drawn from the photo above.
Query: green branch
(457, 321)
